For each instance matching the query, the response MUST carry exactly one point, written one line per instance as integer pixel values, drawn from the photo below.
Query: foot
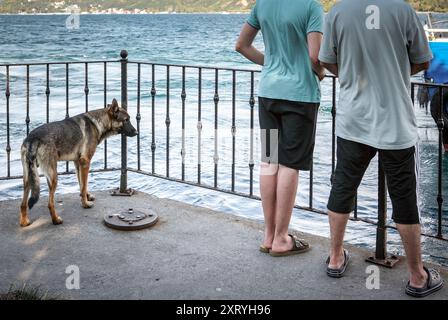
(433, 283)
(298, 246)
(419, 280)
(337, 259)
(57, 221)
(87, 204)
(268, 239)
(282, 244)
(25, 223)
(90, 197)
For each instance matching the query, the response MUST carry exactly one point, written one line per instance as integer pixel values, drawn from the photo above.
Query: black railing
(198, 72)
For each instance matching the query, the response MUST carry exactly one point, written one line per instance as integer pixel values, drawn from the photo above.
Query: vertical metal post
(311, 186)
(183, 97)
(199, 125)
(86, 86)
(251, 155)
(153, 126)
(440, 126)
(123, 190)
(47, 93)
(105, 106)
(167, 121)
(124, 105)
(381, 257)
(138, 117)
(381, 233)
(27, 119)
(233, 129)
(67, 103)
(8, 146)
(216, 102)
(333, 130)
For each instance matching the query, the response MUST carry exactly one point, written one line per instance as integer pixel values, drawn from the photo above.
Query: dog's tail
(31, 174)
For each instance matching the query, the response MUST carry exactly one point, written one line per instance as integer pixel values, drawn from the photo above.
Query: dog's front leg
(84, 167)
(90, 196)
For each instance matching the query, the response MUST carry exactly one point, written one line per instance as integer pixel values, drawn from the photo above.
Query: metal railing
(381, 223)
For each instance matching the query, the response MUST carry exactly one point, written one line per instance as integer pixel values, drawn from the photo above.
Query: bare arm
(244, 45)
(314, 43)
(416, 68)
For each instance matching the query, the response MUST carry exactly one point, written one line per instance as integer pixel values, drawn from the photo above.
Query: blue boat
(437, 73)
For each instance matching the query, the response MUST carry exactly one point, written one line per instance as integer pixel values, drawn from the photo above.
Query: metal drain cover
(130, 220)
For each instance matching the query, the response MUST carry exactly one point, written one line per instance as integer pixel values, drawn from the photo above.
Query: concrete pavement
(192, 253)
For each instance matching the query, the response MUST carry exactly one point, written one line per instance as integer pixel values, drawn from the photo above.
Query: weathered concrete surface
(192, 253)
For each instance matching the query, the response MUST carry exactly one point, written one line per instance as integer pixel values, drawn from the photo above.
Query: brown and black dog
(73, 139)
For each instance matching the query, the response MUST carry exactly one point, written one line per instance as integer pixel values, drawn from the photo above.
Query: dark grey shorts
(288, 132)
(400, 167)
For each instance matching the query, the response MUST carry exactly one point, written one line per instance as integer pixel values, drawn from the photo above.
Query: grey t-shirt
(374, 43)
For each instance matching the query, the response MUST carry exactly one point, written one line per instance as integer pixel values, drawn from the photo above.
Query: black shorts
(288, 132)
(400, 167)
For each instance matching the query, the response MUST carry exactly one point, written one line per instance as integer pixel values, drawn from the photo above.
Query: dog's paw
(25, 223)
(57, 221)
(87, 205)
(90, 197)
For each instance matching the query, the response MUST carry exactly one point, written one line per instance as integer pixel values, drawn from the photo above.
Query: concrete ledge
(192, 253)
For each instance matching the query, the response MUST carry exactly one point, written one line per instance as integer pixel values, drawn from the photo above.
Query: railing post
(381, 257)
(123, 190)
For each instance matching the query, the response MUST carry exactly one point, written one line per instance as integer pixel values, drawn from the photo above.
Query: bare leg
(52, 181)
(268, 190)
(287, 181)
(410, 236)
(84, 168)
(338, 222)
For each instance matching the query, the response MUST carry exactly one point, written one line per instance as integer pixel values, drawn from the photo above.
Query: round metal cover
(131, 220)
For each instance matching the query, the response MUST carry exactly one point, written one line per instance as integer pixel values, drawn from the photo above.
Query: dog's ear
(113, 108)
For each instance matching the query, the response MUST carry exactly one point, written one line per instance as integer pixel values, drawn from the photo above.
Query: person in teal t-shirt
(289, 98)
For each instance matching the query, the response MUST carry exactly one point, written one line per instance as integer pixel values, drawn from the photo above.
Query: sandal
(299, 246)
(433, 284)
(338, 273)
(264, 249)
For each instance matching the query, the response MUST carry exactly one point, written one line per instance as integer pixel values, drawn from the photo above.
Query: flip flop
(338, 273)
(433, 284)
(299, 246)
(264, 249)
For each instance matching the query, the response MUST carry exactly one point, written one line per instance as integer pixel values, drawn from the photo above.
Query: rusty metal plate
(118, 193)
(130, 220)
(389, 262)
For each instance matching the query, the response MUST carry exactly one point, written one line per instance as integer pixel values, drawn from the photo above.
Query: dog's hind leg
(24, 221)
(52, 181)
(84, 175)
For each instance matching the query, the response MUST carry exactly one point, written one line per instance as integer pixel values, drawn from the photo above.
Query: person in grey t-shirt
(374, 46)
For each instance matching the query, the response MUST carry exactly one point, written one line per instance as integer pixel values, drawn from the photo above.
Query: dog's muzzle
(128, 129)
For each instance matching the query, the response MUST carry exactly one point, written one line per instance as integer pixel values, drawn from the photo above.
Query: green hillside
(41, 6)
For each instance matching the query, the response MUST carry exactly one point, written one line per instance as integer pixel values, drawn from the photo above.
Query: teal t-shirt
(285, 24)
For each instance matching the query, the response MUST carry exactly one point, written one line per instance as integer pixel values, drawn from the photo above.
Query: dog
(73, 139)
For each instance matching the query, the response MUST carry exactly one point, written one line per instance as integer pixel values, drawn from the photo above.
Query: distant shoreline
(153, 13)
(117, 13)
